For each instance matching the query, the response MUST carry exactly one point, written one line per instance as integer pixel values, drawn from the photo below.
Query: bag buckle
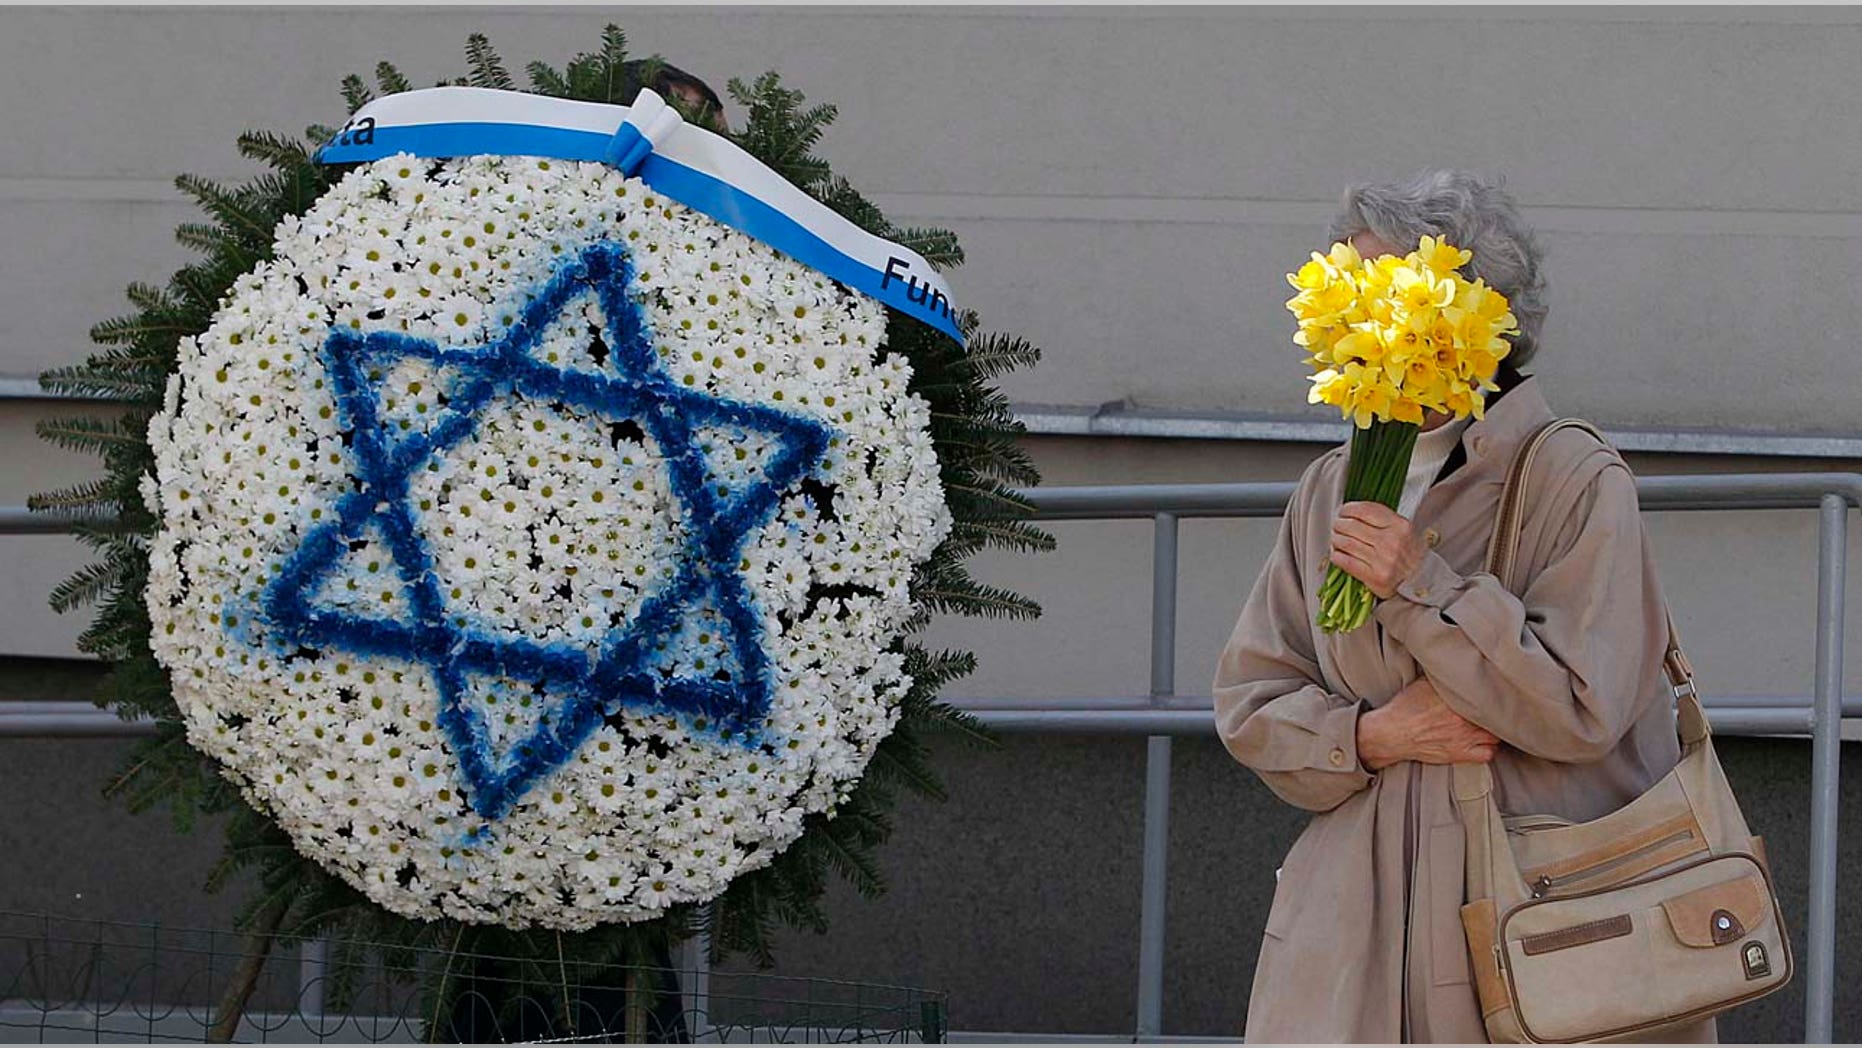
(1680, 672)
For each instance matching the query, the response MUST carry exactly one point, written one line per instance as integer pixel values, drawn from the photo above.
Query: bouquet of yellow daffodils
(1390, 338)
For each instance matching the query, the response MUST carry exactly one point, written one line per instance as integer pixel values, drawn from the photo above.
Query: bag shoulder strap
(1509, 522)
(1475, 780)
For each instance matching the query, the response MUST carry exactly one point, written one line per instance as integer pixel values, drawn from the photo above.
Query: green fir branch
(233, 210)
(992, 454)
(948, 587)
(142, 382)
(134, 329)
(356, 94)
(277, 151)
(850, 854)
(601, 76)
(937, 246)
(88, 434)
(150, 299)
(841, 198)
(985, 501)
(907, 762)
(1016, 536)
(945, 720)
(932, 670)
(390, 80)
(996, 354)
(780, 132)
(545, 80)
(487, 68)
(85, 586)
(91, 496)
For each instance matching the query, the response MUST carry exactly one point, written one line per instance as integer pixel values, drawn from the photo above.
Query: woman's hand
(1376, 546)
(1415, 725)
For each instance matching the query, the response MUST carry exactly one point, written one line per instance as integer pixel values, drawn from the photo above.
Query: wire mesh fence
(70, 980)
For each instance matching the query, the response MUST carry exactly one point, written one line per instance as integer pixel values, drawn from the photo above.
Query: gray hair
(1470, 212)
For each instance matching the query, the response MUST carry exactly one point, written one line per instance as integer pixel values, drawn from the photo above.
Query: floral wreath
(526, 548)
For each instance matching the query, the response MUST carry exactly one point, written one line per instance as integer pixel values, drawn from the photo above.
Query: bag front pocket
(1666, 949)
(1580, 978)
(1719, 913)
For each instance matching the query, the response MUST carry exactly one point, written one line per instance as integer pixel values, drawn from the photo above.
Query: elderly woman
(1560, 686)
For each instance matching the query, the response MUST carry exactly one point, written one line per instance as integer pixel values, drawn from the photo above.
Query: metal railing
(71, 979)
(1163, 713)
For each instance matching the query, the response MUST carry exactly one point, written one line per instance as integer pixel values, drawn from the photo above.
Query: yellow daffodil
(1420, 375)
(1406, 409)
(1365, 346)
(1313, 274)
(1418, 289)
(1393, 336)
(1328, 387)
(1462, 401)
(1344, 257)
(1441, 256)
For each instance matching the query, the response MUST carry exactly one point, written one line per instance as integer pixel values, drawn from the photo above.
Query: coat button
(1431, 537)
(1338, 758)
(1422, 593)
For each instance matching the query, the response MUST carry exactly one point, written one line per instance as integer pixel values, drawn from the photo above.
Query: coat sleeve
(1272, 709)
(1558, 671)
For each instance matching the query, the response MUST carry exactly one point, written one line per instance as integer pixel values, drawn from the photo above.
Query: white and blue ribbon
(650, 141)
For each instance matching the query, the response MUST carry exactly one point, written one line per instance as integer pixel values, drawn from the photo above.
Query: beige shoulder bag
(1657, 914)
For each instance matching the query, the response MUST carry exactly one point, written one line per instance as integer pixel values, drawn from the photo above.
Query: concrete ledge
(1119, 419)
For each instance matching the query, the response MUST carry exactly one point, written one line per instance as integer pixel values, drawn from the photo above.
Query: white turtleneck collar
(1432, 450)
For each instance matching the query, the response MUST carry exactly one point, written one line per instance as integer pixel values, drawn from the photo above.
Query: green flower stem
(1379, 463)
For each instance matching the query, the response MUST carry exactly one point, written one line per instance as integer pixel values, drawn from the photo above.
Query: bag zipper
(1545, 883)
(1528, 824)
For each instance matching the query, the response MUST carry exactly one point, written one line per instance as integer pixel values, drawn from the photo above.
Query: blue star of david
(582, 688)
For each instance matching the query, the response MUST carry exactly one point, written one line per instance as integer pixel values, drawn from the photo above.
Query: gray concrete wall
(1018, 895)
(1130, 186)
(1131, 183)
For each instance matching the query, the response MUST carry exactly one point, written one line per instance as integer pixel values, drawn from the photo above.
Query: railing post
(695, 983)
(1157, 779)
(1825, 767)
(312, 976)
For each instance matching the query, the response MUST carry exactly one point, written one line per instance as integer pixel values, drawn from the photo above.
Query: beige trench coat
(1363, 940)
